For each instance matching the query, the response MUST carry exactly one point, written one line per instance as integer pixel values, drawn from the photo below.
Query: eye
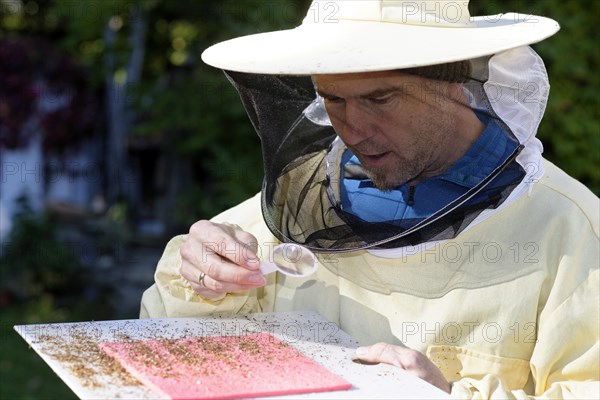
(333, 100)
(385, 99)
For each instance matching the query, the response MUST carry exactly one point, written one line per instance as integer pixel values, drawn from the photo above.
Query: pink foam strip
(223, 367)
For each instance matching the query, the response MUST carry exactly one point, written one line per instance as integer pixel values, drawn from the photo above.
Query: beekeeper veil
(310, 175)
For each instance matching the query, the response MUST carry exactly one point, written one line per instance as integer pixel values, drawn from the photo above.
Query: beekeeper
(398, 141)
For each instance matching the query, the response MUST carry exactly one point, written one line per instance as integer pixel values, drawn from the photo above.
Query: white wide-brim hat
(378, 35)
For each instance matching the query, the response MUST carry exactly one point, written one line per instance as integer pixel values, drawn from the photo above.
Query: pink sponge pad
(223, 367)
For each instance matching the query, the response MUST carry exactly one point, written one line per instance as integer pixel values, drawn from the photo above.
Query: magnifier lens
(291, 259)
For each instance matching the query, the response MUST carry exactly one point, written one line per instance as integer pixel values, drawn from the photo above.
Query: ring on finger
(201, 279)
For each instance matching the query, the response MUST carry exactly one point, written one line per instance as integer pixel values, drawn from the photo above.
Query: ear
(457, 93)
(455, 90)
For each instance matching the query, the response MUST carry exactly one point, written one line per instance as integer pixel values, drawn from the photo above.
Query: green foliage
(180, 102)
(195, 110)
(30, 71)
(39, 279)
(570, 130)
(192, 110)
(32, 261)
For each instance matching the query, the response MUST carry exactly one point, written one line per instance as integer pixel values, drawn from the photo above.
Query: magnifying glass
(290, 259)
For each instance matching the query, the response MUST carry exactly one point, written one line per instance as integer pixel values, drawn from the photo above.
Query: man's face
(399, 126)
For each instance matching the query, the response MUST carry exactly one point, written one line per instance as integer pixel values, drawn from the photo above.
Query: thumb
(380, 353)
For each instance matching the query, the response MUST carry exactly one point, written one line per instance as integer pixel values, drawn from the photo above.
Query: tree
(145, 55)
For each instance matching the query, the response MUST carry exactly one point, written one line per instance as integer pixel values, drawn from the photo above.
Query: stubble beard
(399, 170)
(424, 158)
(387, 179)
(402, 169)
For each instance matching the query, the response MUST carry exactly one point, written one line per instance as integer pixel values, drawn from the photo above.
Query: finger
(222, 271)
(407, 359)
(208, 259)
(249, 244)
(237, 246)
(210, 285)
(222, 275)
(382, 353)
(211, 288)
(402, 357)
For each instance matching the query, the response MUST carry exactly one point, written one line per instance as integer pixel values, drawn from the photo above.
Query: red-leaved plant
(33, 73)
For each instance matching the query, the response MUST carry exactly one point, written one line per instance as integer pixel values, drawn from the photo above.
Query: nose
(354, 125)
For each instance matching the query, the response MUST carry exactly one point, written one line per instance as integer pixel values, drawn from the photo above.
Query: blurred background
(114, 136)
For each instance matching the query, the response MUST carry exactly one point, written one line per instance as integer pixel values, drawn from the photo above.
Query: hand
(407, 359)
(225, 254)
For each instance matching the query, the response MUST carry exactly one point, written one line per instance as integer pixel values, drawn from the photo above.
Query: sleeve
(172, 296)
(565, 360)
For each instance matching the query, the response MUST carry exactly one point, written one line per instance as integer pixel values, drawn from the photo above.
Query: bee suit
(495, 279)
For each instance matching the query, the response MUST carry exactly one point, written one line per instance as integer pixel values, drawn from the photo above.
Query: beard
(399, 169)
(397, 174)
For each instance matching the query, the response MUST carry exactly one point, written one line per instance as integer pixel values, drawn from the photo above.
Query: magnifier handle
(267, 267)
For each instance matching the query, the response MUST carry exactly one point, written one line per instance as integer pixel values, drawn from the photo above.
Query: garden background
(115, 136)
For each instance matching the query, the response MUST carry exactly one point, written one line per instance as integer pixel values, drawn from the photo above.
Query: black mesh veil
(301, 154)
(275, 106)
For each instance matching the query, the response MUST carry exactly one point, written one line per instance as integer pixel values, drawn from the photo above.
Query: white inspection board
(71, 350)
